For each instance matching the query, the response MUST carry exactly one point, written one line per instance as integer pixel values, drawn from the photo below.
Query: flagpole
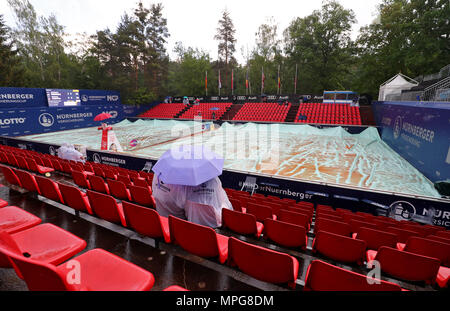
(206, 82)
(295, 82)
(278, 92)
(219, 83)
(232, 86)
(262, 80)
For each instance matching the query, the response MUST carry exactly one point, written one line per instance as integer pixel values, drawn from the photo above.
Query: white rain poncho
(68, 152)
(180, 200)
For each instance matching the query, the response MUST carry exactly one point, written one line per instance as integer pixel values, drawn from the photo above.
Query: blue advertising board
(16, 97)
(99, 97)
(420, 133)
(18, 122)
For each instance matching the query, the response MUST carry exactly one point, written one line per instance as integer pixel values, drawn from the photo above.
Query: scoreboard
(63, 98)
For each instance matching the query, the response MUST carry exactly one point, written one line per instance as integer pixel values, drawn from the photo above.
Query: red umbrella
(102, 116)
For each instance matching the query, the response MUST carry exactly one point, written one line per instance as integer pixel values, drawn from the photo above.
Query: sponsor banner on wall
(419, 132)
(99, 97)
(19, 122)
(435, 211)
(14, 97)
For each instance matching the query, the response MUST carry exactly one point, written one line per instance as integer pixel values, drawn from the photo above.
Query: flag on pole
(220, 83)
(295, 81)
(263, 78)
(246, 83)
(206, 82)
(232, 84)
(279, 80)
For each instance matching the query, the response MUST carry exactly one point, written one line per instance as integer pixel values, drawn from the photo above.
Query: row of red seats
(205, 111)
(328, 114)
(163, 110)
(344, 236)
(269, 112)
(40, 255)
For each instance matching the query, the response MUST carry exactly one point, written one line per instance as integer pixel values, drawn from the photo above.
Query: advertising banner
(99, 97)
(18, 122)
(419, 132)
(16, 97)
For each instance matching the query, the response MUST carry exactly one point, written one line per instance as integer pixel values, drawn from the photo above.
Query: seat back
(99, 172)
(104, 206)
(142, 196)
(80, 179)
(241, 223)
(32, 165)
(12, 159)
(356, 225)
(376, 238)
(285, 234)
(262, 263)
(444, 233)
(140, 182)
(28, 181)
(143, 220)
(49, 189)
(332, 226)
(74, 198)
(56, 165)
(118, 189)
(7, 246)
(407, 266)
(236, 204)
(22, 162)
(261, 212)
(430, 248)
(294, 218)
(196, 239)
(202, 214)
(322, 276)
(339, 247)
(125, 179)
(402, 235)
(10, 176)
(38, 276)
(98, 184)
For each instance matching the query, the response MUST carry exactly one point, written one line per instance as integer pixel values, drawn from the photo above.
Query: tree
(11, 72)
(409, 36)
(226, 47)
(321, 46)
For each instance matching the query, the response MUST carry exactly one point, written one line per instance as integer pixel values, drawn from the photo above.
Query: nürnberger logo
(46, 119)
(97, 158)
(11, 121)
(84, 98)
(403, 209)
(397, 127)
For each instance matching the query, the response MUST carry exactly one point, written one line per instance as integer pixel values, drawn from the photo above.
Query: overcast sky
(192, 22)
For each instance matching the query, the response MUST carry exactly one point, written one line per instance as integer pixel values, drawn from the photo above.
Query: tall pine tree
(11, 71)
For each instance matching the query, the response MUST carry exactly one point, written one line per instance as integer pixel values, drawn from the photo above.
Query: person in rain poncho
(68, 152)
(175, 199)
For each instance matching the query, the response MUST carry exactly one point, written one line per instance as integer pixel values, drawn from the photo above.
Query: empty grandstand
(163, 110)
(328, 114)
(208, 111)
(267, 112)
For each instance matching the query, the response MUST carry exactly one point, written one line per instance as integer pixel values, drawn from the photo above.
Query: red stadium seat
(402, 235)
(285, 234)
(106, 207)
(14, 219)
(3, 203)
(199, 240)
(322, 276)
(142, 196)
(340, 248)
(376, 238)
(98, 184)
(332, 226)
(98, 270)
(49, 189)
(75, 198)
(407, 266)
(32, 165)
(118, 189)
(28, 181)
(445, 234)
(11, 176)
(241, 223)
(430, 248)
(146, 221)
(262, 263)
(80, 179)
(45, 242)
(298, 219)
(261, 212)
